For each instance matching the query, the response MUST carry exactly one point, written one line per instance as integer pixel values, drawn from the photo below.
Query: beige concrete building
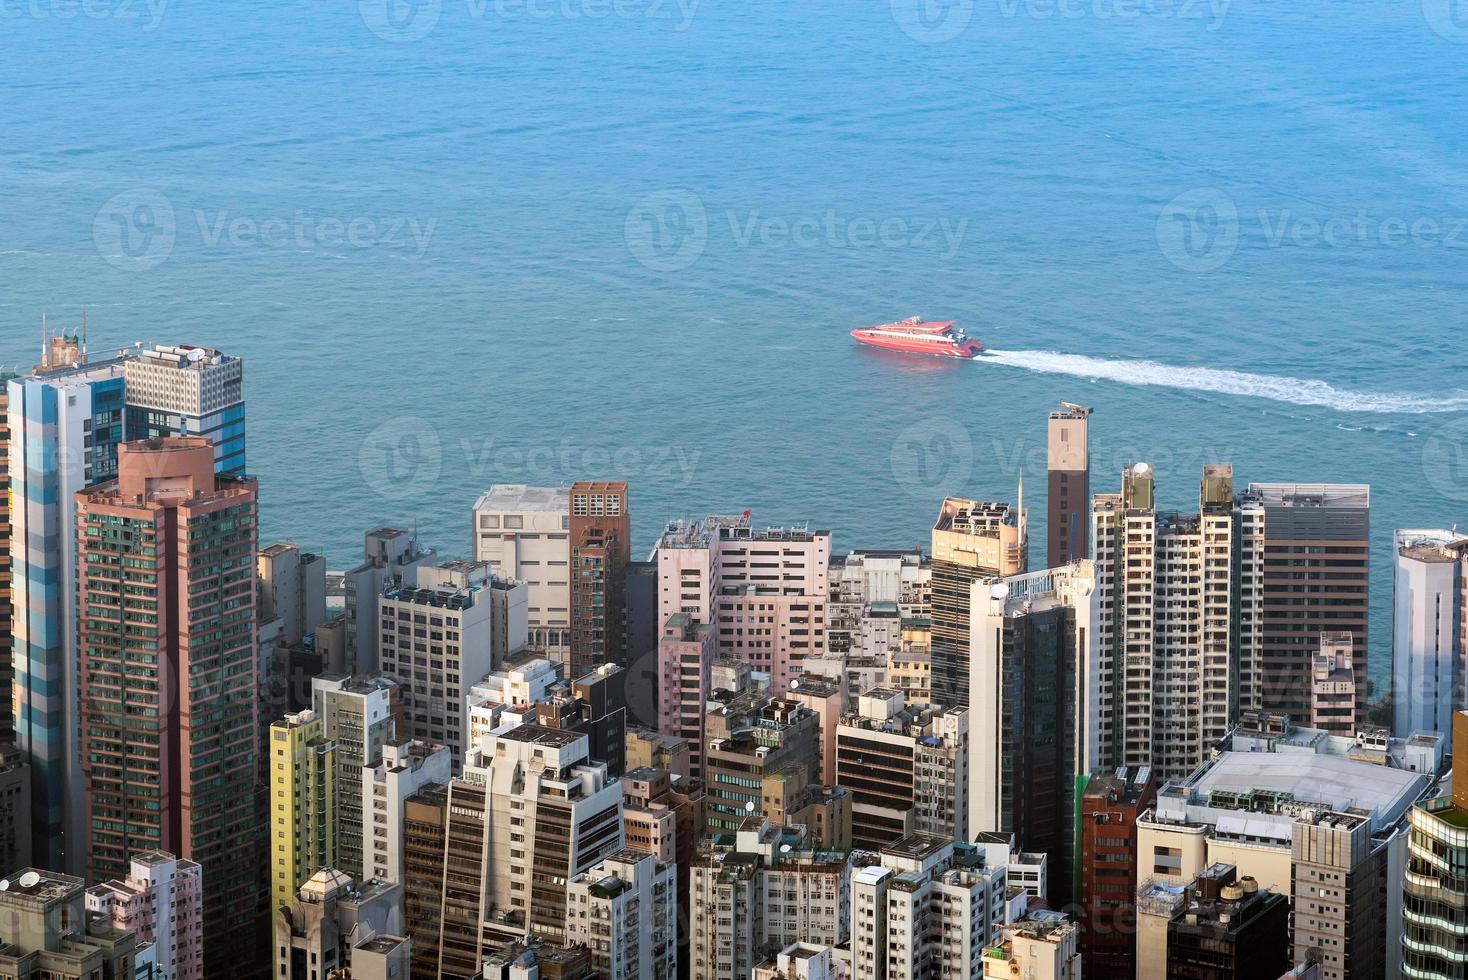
(46, 933)
(1043, 945)
(1316, 817)
(524, 533)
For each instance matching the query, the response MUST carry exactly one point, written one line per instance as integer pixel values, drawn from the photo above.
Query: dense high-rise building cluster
(750, 755)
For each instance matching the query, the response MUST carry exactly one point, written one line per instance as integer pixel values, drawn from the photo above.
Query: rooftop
(541, 735)
(918, 846)
(1336, 782)
(517, 497)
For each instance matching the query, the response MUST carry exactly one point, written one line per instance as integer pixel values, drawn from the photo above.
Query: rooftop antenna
(84, 336)
(45, 344)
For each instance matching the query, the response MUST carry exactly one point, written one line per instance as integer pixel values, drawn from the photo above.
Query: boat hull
(966, 350)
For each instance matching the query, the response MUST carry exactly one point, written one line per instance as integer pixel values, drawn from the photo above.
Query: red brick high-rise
(601, 545)
(1108, 868)
(169, 668)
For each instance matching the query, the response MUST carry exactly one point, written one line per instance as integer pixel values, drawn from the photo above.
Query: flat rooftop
(917, 846)
(541, 735)
(1337, 782)
(515, 497)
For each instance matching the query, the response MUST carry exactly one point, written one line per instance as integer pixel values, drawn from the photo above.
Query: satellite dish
(30, 880)
(785, 848)
(795, 685)
(4, 884)
(999, 590)
(1141, 469)
(749, 807)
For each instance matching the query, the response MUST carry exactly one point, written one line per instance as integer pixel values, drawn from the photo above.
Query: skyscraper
(166, 556)
(1067, 529)
(1432, 943)
(189, 391)
(65, 424)
(1305, 563)
(7, 727)
(600, 547)
(1429, 617)
(1166, 673)
(1034, 710)
(972, 542)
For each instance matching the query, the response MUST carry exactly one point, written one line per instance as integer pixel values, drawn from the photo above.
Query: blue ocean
(462, 242)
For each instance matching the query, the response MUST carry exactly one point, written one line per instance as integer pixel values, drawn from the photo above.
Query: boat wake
(1297, 391)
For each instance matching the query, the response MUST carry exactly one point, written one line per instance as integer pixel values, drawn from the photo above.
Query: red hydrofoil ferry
(914, 336)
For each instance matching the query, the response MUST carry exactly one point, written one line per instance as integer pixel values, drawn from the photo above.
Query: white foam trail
(1297, 391)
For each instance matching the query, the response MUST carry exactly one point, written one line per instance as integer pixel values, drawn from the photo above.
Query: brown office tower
(1107, 889)
(7, 726)
(601, 545)
(1068, 523)
(1304, 559)
(169, 714)
(973, 541)
(425, 826)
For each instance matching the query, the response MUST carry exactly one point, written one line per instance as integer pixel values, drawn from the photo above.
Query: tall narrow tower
(601, 546)
(1068, 525)
(65, 422)
(166, 593)
(972, 541)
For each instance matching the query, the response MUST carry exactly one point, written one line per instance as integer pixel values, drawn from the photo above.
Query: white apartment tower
(437, 641)
(524, 533)
(1428, 624)
(626, 911)
(406, 767)
(928, 909)
(1166, 680)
